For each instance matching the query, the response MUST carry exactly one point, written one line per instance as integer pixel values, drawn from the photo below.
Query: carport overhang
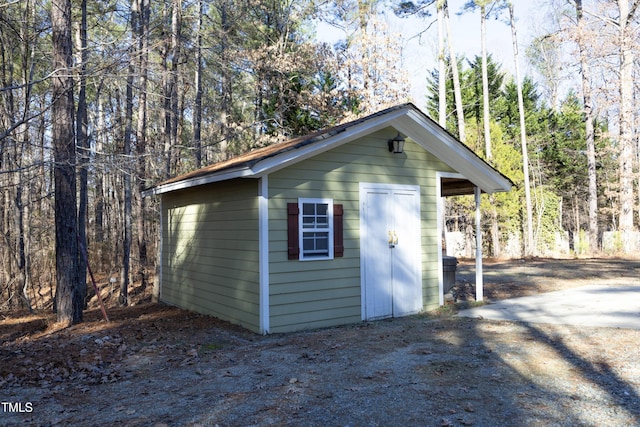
(453, 184)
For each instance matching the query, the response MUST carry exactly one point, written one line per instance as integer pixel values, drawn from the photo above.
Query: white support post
(479, 283)
(263, 236)
(440, 227)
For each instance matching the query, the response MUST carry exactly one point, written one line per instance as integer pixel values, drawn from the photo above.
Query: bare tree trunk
(166, 88)
(66, 224)
(19, 255)
(123, 298)
(627, 10)
(589, 130)
(457, 92)
(100, 193)
(141, 132)
(442, 76)
(176, 23)
(486, 120)
(83, 146)
(170, 82)
(10, 157)
(365, 11)
(485, 83)
(22, 156)
(227, 83)
(197, 108)
(576, 228)
(530, 246)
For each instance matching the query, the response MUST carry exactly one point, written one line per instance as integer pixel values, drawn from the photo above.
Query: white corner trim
(263, 250)
(363, 238)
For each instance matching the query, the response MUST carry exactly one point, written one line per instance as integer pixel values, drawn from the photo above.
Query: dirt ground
(161, 366)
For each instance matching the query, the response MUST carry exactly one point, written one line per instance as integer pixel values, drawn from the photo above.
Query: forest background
(103, 99)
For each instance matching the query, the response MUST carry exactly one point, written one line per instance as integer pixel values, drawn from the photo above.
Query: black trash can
(449, 264)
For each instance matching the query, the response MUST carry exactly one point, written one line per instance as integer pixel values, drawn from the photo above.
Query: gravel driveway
(160, 366)
(611, 306)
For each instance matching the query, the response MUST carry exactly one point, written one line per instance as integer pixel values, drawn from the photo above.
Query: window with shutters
(314, 229)
(315, 222)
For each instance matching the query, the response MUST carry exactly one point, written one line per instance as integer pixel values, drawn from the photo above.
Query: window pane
(322, 242)
(307, 244)
(322, 219)
(308, 209)
(322, 208)
(315, 244)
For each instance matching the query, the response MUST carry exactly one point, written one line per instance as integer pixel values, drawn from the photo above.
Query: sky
(420, 52)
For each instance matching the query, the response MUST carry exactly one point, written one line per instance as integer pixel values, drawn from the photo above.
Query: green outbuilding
(336, 227)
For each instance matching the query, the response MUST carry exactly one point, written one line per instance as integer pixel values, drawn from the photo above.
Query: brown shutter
(292, 230)
(338, 233)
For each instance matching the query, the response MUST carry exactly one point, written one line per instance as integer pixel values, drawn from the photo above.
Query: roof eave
(456, 155)
(281, 160)
(407, 119)
(224, 175)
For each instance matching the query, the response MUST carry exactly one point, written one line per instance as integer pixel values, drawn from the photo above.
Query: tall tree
(83, 147)
(626, 13)
(421, 8)
(229, 26)
(442, 88)
(370, 57)
(12, 196)
(564, 169)
(143, 9)
(171, 51)
(589, 119)
(488, 8)
(68, 296)
(127, 182)
(530, 245)
(485, 81)
(462, 134)
(545, 55)
(197, 108)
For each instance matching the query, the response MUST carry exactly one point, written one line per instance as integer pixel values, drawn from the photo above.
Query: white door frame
(363, 188)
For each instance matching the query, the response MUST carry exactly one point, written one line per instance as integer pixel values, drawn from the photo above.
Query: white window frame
(302, 231)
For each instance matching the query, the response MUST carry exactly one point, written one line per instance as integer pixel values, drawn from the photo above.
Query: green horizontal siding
(210, 239)
(309, 294)
(210, 261)
(317, 319)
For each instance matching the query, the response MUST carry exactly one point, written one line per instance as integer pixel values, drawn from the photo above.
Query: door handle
(393, 239)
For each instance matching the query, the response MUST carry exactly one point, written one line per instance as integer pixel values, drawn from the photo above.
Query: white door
(390, 250)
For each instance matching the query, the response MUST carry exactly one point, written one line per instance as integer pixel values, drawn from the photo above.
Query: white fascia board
(451, 152)
(200, 180)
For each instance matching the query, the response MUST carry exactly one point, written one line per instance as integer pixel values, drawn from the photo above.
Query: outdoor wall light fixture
(396, 145)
